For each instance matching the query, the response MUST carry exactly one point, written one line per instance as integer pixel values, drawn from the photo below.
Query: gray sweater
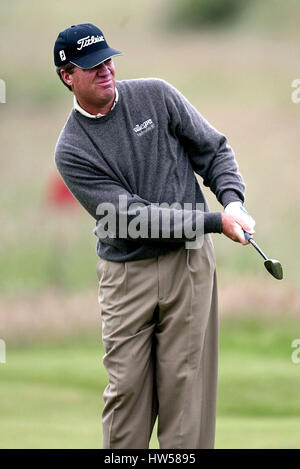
(147, 149)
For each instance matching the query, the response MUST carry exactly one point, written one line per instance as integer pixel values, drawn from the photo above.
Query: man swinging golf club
(128, 152)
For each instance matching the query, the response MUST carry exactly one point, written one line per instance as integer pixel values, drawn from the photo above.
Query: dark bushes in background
(193, 13)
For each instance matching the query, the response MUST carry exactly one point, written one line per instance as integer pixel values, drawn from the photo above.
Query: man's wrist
(212, 222)
(230, 196)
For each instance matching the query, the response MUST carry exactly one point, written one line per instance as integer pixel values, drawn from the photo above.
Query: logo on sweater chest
(141, 129)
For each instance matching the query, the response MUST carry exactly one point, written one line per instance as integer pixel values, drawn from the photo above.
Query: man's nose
(103, 67)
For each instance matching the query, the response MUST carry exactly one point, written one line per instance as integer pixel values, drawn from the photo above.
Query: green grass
(48, 262)
(50, 394)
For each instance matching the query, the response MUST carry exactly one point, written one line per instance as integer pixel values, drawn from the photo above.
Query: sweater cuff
(212, 222)
(230, 196)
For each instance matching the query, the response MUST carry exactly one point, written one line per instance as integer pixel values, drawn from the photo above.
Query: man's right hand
(233, 230)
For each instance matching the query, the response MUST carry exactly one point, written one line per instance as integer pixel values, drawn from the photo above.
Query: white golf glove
(236, 210)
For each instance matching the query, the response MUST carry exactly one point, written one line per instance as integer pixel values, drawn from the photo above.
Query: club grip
(247, 236)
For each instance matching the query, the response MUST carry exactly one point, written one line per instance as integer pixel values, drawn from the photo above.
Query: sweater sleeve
(210, 155)
(118, 211)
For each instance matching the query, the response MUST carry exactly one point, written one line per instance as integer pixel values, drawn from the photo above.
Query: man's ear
(67, 77)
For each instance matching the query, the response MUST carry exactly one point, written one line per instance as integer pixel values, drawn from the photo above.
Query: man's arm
(91, 188)
(210, 155)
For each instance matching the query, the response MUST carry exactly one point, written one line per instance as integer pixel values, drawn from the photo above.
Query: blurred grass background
(238, 73)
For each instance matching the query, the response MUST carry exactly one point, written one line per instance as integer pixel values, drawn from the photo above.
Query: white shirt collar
(78, 108)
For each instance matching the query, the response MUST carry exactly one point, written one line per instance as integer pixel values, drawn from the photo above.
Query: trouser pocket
(111, 291)
(198, 259)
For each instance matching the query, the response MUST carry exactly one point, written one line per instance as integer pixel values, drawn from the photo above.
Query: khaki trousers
(160, 333)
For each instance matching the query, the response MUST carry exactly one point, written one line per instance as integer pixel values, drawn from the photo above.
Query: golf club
(272, 265)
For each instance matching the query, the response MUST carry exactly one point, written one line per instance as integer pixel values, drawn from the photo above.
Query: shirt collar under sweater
(78, 108)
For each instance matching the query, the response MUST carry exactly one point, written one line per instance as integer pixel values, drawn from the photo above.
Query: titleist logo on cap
(89, 40)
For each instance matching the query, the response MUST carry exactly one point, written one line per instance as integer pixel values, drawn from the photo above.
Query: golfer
(129, 152)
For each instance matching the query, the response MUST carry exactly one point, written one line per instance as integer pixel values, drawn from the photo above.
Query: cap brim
(95, 58)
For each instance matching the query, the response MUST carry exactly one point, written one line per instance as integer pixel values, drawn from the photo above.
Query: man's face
(93, 86)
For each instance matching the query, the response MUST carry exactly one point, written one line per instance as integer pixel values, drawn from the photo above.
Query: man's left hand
(242, 217)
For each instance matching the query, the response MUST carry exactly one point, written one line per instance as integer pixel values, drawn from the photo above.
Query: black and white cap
(83, 45)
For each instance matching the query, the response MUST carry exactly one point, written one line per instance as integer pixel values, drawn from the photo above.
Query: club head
(274, 267)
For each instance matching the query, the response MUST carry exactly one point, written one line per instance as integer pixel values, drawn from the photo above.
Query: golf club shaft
(251, 240)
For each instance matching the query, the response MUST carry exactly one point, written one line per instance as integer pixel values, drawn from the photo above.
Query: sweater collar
(78, 108)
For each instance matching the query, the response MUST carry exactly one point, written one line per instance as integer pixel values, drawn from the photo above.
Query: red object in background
(58, 194)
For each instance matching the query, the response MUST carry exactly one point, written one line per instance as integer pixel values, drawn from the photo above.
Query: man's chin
(106, 91)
